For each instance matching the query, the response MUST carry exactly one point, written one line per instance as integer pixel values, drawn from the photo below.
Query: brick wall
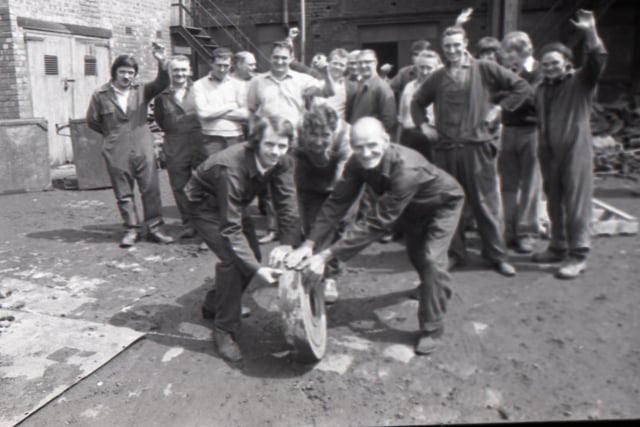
(9, 103)
(146, 18)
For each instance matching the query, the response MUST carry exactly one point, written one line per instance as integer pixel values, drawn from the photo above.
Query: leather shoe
(506, 269)
(157, 236)
(188, 233)
(548, 256)
(572, 268)
(130, 238)
(524, 245)
(226, 345)
(268, 238)
(427, 344)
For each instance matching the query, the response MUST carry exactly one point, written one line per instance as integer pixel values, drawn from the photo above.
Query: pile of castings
(616, 130)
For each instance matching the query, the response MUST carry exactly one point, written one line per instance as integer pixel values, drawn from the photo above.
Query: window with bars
(90, 66)
(50, 65)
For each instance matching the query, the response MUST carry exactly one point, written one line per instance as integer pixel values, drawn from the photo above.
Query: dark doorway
(387, 53)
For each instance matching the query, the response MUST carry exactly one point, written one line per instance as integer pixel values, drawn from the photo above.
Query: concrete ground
(528, 348)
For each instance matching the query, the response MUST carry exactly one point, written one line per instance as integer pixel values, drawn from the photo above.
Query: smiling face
(454, 47)
(246, 67)
(554, 65)
(280, 60)
(124, 77)
(368, 142)
(180, 71)
(367, 64)
(426, 66)
(272, 148)
(337, 67)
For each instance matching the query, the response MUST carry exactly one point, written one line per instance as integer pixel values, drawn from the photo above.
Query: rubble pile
(616, 142)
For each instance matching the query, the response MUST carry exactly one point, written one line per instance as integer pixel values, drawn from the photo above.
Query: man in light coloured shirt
(283, 91)
(221, 105)
(409, 135)
(336, 69)
(521, 179)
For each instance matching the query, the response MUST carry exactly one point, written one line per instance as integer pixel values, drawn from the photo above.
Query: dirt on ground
(529, 348)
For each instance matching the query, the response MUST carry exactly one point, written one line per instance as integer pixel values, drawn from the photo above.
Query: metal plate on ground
(41, 356)
(303, 315)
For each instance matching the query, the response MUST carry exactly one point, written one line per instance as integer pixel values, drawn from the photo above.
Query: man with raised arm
(563, 102)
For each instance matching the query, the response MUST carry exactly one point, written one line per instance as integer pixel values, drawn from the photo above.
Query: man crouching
(220, 190)
(410, 193)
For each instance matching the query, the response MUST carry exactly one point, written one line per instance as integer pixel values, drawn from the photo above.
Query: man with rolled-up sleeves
(462, 93)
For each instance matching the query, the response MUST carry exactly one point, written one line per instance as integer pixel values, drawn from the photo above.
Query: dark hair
(488, 44)
(419, 45)
(320, 116)
(283, 44)
(557, 47)
(280, 125)
(123, 61)
(450, 31)
(221, 53)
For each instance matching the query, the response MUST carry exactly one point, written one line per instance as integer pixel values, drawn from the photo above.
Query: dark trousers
(427, 240)
(141, 169)
(520, 181)
(414, 138)
(182, 158)
(211, 144)
(474, 165)
(231, 280)
(568, 184)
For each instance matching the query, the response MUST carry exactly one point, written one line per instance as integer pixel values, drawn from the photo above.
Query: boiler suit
(566, 152)
(128, 148)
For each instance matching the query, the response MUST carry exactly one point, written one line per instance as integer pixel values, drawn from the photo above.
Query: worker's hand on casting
(268, 275)
(584, 20)
(314, 265)
(295, 257)
(278, 254)
(158, 52)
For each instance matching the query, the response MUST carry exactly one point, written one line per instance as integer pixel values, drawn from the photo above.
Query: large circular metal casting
(303, 315)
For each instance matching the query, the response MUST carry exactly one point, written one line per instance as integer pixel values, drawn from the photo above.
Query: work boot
(158, 236)
(130, 238)
(572, 268)
(226, 345)
(188, 233)
(524, 245)
(330, 291)
(428, 343)
(505, 268)
(549, 255)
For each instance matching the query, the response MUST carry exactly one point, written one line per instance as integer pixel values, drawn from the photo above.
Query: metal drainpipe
(303, 30)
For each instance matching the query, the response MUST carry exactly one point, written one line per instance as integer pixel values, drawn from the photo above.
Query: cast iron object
(303, 315)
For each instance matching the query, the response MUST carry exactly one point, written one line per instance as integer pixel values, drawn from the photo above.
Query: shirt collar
(529, 64)
(213, 78)
(120, 91)
(287, 75)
